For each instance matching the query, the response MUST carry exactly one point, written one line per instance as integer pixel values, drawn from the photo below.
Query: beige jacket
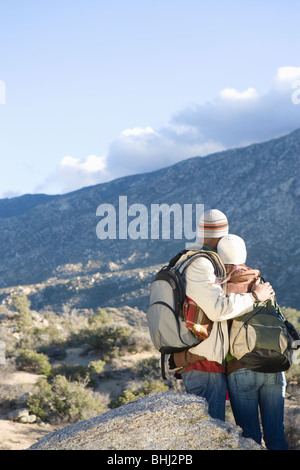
(202, 288)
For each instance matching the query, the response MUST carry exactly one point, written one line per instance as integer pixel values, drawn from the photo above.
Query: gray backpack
(166, 321)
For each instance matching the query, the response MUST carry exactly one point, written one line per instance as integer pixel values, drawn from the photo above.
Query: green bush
(55, 351)
(96, 367)
(139, 341)
(24, 316)
(292, 315)
(148, 367)
(63, 400)
(107, 340)
(31, 361)
(84, 374)
(145, 389)
(72, 373)
(40, 402)
(100, 318)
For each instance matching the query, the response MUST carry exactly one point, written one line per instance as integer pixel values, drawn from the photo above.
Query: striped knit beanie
(213, 224)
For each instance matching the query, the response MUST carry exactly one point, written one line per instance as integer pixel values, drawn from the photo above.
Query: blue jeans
(210, 385)
(251, 391)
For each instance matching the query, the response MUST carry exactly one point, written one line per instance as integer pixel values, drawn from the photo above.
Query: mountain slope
(256, 186)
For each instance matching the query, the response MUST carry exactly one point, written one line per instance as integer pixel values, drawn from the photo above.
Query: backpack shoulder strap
(176, 258)
(212, 256)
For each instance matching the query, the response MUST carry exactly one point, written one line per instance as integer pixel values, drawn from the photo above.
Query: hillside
(50, 243)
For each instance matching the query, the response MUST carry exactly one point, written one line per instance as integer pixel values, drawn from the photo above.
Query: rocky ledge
(160, 421)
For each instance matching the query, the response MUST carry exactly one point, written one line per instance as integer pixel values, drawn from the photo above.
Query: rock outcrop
(160, 421)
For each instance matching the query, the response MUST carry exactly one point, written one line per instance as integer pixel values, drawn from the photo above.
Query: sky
(94, 90)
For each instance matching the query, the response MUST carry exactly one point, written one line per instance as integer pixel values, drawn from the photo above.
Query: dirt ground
(18, 436)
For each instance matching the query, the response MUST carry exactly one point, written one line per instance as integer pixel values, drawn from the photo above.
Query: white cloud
(137, 131)
(90, 165)
(231, 94)
(285, 78)
(75, 173)
(240, 118)
(235, 118)
(142, 152)
(288, 74)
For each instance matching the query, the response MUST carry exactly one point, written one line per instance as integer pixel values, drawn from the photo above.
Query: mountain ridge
(256, 186)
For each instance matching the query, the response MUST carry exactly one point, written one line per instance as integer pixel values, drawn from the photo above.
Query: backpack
(262, 340)
(169, 330)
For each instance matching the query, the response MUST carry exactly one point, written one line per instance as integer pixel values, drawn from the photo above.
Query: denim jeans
(250, 392)
(210, 385)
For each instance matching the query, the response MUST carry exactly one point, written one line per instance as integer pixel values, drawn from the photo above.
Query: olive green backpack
(263, 340)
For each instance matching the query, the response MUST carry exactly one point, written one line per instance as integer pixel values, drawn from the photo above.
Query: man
(207, 377)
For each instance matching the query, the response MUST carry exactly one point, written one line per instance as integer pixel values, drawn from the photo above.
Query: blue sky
(93, 90)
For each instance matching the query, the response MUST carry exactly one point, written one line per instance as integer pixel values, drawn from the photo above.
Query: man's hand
(264, 291)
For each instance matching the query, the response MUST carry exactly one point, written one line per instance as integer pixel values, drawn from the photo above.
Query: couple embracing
(208, 370)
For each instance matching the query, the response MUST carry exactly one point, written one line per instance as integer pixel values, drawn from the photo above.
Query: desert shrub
(72, 373)
(106, 340)
(31, 361)
(293, 316)
(96, 367)
(148, 367)
(24, 315)
(100, 318)
(51, 334)
(55, 351)
(139, 341)
(32, 332)
(40, 401)
(8, 392)
(63, 400)
(85, 374)
(145, 389)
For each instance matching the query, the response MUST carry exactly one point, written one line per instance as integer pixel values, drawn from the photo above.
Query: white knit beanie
(212, 224)
(232, 249)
